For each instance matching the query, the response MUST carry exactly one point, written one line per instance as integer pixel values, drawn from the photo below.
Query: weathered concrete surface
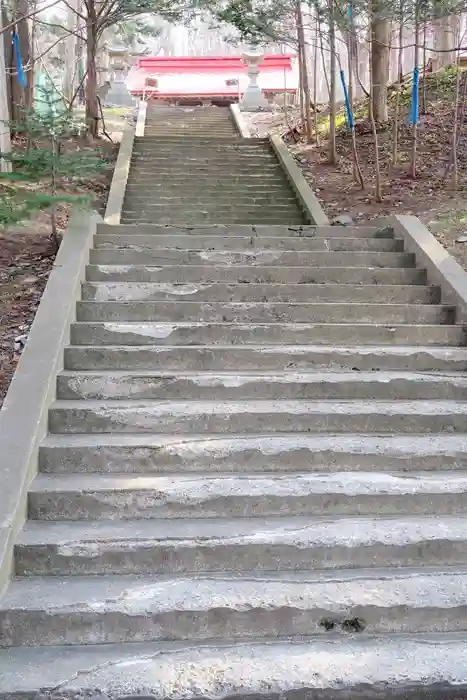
(193, 242)
(442, 269)
(140, 291)
(23, 418)
(154, 256)
(259, 435)
(352, 668)
(263, 312)
(160, 182)
(265, 357)
(102, 610)
(305, 194)
(138, 416)
(113, 211)
(259, 385)
(153, 454)
(186, 333)
(99, 497)
(256, 272)
(177, 546)
(248, 231)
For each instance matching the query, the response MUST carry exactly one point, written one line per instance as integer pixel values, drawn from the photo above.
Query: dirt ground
(26, 258)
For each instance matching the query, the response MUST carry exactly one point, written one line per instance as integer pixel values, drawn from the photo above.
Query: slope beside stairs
(254, 482)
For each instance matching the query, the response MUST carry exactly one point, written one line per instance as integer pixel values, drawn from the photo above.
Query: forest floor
(27, 256)
(429, 196)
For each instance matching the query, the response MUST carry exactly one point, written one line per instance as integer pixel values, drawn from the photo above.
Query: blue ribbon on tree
(19, 63)
(413, 118)
(348, 109)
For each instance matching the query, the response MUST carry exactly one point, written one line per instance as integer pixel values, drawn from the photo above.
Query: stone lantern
(253, 99)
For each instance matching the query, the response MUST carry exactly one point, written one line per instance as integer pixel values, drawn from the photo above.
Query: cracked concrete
(254, 482)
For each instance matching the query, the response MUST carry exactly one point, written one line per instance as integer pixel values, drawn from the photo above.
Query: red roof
(158, 65)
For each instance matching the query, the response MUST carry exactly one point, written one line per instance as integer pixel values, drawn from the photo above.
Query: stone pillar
(253, 99)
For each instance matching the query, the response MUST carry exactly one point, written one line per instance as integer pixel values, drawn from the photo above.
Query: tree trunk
(446, 29)
(332, 86)
(19, 93)
(413, 160)
(380, 51)
(70, 74)
(304, 73)
(92, 102)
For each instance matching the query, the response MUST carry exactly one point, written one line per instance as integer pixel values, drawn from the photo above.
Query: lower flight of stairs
(255, 481)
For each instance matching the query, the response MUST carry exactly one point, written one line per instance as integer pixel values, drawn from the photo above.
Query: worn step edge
(143, 415)
(275, 358)
(204, 495)
(406, 667)
(84, 333)
(269, 231)
(238, 544)
(218, 292)
(288, 243)
(263, 312)
(244, 385)
(152, 454)
(104, 609)
(264, 274)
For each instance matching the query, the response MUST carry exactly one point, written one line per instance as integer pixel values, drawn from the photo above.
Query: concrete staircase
(255, 481)
(192, 168)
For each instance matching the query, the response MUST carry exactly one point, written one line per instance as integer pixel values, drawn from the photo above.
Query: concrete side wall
(239, 121)
(305, 195)
(302, 189)
(441, 267)
(23, 418)
(113, 211)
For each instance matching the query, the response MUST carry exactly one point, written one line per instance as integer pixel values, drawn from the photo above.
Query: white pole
(5, 142)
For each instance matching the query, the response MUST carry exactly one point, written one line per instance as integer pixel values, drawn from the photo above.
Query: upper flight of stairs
(255, 478)
(191, 167)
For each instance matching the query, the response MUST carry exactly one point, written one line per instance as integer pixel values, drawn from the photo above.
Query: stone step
(266, 274)
(201, 199)
(208, 386)
(238, 164)
(259, 312)
(243, 171)
(304, 231)
(206, 159)
(198, 417)
(201, 153)
(432, 666)
(255, 292)
(182, 179)
(241, 243)
(231, 217)
(240, 170)
(227, 187)
(231, 142)
(175, 133)
(267, 358)
(310, 259)
(201, 134)
(231, 138)
(159, 547)
(107, 609)
(204, 495)
(184, 333)
(209, 207)
(250, 454)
